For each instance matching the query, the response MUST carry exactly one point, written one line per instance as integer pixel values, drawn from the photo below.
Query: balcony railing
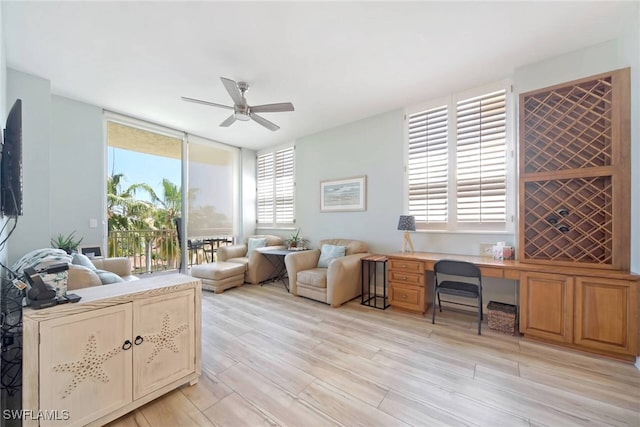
(158, 250)
(148, 250)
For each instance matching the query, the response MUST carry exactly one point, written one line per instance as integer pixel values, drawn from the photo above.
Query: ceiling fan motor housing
(241, 112)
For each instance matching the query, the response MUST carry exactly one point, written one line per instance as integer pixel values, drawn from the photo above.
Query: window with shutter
(457, 163)
(481, 159)
(275, 188)
(427, 165)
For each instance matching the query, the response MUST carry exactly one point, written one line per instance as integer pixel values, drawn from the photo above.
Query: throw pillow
(82, 277)
(83, 260)
(329, 253)
(253, 243)
(107, 277)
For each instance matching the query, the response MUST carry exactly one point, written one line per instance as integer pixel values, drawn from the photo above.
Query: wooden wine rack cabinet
(575, 173)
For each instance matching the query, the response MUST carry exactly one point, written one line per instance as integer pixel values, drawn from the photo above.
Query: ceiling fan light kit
(241, 110)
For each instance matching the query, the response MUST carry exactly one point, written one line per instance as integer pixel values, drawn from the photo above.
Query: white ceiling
(336, 61)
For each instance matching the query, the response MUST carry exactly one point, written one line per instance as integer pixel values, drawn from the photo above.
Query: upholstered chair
(258, 269)
(335, 284)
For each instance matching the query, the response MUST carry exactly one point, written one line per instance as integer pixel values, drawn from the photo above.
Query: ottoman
(219, 276)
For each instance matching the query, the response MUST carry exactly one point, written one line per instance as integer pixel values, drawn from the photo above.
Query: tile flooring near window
(269, 358)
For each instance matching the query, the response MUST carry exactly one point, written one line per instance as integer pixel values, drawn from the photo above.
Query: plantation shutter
(481, 159)
(265, 188)
(284, 183)
(275, 191)
(427, 165)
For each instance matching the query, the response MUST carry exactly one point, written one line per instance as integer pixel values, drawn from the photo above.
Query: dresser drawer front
(406, 278)
(407, 266)
(407, 297)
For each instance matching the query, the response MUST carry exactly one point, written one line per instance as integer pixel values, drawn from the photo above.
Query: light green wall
(77, 178)
(371, 147)
(63, 161)
(34, 228)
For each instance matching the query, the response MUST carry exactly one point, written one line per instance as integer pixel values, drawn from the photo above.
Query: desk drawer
(407, 297)
(407, 266)
(404, 278)
(492, 272)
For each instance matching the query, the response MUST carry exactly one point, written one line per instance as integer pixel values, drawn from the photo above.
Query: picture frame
(91, 251)
(344, 195)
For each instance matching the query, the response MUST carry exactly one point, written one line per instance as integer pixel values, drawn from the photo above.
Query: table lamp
(407, 223)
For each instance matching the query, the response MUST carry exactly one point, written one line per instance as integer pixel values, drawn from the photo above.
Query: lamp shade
(407, 223)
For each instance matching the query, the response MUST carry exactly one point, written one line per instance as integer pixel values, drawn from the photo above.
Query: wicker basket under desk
(502, 317)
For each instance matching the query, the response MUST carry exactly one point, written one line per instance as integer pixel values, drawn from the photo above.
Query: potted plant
(294, 241)
(67, 243)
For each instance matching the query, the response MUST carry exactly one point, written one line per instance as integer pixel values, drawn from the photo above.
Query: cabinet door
(164, 340)
(85, 372)
(546, 306)
(606, 316)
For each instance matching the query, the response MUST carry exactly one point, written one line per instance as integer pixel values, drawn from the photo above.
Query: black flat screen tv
(11, 164)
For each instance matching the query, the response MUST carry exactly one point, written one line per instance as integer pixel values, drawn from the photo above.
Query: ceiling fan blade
(228, 121)
(273, 108)
(264, 122)
(233, 90)
(211, 104)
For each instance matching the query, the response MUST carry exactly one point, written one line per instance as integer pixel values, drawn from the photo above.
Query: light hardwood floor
(272, 359)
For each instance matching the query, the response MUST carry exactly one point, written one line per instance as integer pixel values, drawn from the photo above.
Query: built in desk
(591, 309)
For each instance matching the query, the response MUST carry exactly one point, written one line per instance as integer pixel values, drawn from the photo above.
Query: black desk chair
(463, 280)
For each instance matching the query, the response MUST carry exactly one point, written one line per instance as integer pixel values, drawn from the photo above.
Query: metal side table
(370, 292)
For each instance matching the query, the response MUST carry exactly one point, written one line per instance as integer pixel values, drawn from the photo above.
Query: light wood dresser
(120, 347)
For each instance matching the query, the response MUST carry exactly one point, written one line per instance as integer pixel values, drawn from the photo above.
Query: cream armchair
(335, 285)
(258, 269)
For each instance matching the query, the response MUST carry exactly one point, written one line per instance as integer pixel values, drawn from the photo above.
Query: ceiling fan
(243, 111)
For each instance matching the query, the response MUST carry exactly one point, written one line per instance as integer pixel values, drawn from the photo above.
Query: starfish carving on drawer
(165, 338)
(91, 366)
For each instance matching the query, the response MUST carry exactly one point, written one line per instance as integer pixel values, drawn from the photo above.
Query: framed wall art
(343, 195)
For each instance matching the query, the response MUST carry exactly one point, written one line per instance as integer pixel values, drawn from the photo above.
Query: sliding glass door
(157, 178)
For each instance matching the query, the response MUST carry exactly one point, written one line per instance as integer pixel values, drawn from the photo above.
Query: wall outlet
(486, 249)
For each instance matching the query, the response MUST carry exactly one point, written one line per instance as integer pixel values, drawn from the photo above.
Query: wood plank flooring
(272, 359)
